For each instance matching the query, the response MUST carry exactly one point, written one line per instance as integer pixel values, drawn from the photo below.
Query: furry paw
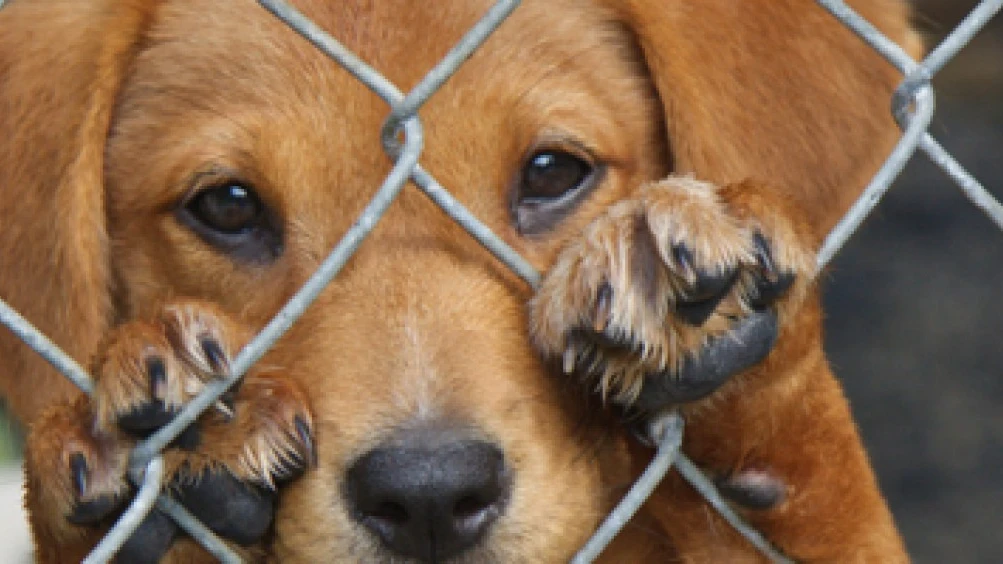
(669, 294)
(224, 468)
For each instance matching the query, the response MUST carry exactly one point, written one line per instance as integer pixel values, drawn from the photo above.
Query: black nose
(429, 495)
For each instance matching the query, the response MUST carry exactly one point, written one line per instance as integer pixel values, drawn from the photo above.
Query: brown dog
(173, 170)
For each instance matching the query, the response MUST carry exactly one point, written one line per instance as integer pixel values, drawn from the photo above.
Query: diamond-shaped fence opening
(912, 105)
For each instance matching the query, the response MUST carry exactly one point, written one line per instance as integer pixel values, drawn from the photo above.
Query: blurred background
(914, 328)
(915, 318)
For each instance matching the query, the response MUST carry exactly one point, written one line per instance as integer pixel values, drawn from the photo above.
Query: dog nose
(429, 497)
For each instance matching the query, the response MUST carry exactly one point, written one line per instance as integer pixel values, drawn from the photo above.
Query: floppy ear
(774, 90)
(60, 67)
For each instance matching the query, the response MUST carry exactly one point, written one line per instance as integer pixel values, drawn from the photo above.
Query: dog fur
(714, 122)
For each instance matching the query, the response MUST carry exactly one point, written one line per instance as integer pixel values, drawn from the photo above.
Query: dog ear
(61, 64)
(774, 90)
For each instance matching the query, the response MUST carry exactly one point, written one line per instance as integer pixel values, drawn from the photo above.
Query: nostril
(385, 519)
(472, 506)
(476, 512)
(390, 512)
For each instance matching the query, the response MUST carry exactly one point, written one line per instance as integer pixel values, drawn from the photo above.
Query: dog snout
(429, 494)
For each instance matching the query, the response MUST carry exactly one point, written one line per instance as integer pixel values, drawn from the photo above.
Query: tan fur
(114, 110)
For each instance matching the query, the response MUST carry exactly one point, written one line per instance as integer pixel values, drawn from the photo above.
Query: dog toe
(270, 439)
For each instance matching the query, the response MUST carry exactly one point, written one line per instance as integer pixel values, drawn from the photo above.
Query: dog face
(235, 180)
(229, 157)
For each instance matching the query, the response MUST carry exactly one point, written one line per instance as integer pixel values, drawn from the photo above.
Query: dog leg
(225, 468)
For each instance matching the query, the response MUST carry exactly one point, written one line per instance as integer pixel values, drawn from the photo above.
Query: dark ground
(915, 318)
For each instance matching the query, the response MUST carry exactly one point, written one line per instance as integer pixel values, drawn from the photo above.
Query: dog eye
(231, 217)
(549, 186)
(229, 209)
(552, 174)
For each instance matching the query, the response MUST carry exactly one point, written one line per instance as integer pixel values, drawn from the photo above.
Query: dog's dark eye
(229, 209)
(549, 185)
(231, 217)
(550, 175)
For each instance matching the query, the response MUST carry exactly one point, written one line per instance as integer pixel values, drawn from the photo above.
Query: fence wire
(402, 136)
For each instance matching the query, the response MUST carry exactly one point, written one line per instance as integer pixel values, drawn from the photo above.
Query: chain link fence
(912, 105)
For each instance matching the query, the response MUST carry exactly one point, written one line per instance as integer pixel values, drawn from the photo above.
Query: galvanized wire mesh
(912, 105)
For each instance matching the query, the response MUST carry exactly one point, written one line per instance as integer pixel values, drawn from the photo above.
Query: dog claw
(769, 284)
(604, 305)
(89, 511)
(568, 365)
(763, 254)
(78, 469)
(215, 356)
(708, 292)
(306, 438)
(706, 287)
(683, 258)
(224, 409)
(157, 371)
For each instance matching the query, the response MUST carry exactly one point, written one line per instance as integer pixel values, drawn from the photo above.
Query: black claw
(707, 288)
(301, 460)
(767, 292)
(214, 354)
(306, 437)
(683, 257)
(592, 361)
(705, 296)
(748, 343)
(610, 339)
(754, 490)
(90, 511)
(604, 305)
(229, 398)
(764, 254)
(770, 283)
(236, 510)
(157, 372)
(150, 541)
(590, 346)
(79, 472)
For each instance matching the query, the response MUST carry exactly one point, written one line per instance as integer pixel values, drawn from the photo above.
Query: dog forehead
(403, 41)
(234, 76)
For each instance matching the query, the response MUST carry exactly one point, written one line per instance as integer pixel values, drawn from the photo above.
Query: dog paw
(669, 294)
(224, 468)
